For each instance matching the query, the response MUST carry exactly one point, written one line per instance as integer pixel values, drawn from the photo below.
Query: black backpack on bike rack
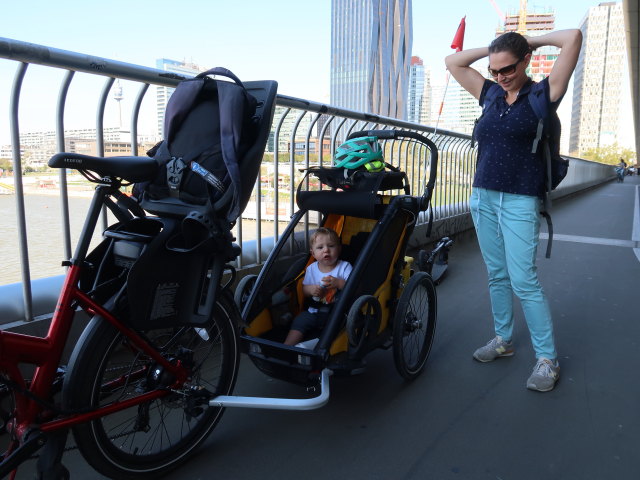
(215, 136)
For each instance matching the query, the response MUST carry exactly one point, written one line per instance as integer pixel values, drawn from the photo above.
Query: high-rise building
(425, 110)
(533, 23)
(416, 90)
(163, 93)
(600, 117)
(370, 54)
(457, 112)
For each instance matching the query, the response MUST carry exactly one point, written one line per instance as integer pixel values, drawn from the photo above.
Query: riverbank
(77, 185)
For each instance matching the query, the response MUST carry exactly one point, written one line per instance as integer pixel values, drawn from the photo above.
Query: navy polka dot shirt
(505, 135)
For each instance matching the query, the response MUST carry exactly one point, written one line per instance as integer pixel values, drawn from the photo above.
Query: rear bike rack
(278, 403)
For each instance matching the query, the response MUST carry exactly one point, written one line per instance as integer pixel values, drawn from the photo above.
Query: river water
(45, 236)
(44, 231)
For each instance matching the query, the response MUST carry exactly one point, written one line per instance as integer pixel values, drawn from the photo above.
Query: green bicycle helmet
(360, 152)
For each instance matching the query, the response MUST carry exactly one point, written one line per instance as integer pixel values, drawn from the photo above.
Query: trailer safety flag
(458, 39)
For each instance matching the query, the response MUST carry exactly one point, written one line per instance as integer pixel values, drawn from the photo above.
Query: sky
(284, 40)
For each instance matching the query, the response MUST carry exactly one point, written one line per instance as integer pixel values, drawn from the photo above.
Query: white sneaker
(496, 348)
(544, 376)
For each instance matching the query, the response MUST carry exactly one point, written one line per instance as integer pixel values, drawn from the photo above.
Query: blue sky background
(285, 40)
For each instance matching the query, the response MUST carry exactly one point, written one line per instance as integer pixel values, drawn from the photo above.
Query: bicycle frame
(31, 398)
(34, 418)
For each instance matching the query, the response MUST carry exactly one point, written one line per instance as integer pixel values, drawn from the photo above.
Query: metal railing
(303, 133)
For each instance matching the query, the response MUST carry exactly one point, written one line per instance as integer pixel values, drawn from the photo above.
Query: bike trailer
(383, 304)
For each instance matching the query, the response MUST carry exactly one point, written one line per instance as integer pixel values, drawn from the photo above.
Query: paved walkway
(466, 420)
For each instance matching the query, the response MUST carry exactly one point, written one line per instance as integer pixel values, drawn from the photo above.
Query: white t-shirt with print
(313, 276)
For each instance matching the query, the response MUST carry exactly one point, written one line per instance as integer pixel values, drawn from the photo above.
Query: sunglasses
(508, 70)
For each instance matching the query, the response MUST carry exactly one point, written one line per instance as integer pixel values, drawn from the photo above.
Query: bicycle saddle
(132, 169)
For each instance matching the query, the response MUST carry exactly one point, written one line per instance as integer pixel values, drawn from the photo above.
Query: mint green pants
(507, 226)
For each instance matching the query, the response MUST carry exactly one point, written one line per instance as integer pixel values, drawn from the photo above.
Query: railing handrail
(54, 57)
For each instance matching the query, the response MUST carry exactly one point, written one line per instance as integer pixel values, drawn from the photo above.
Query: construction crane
(498, 11)
(522, 18)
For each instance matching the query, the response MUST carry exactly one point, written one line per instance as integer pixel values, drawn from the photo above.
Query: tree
(6, 165)
(611, 154)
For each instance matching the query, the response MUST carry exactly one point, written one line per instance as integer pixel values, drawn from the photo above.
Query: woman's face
(508, 70)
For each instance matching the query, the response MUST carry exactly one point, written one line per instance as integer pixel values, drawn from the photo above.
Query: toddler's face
(325, 250)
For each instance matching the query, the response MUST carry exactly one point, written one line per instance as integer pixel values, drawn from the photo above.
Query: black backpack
(215, 136)
(547, 137)
(209, 126)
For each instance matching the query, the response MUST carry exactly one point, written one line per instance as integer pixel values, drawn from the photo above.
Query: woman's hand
(459, 65)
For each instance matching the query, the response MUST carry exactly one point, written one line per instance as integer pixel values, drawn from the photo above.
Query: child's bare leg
(294, 337)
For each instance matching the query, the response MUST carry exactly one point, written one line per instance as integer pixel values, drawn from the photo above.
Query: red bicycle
(136, 391)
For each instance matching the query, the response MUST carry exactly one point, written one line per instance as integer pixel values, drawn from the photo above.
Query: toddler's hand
(318, 291)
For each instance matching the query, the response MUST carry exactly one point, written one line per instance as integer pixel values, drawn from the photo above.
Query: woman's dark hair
(511, 42)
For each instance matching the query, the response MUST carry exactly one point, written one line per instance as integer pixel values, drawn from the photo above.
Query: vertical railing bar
(292, 168)
(470, 169)
(335, 134)
(321, 139)
(392, 146)
(100, 133)
(459, 177)
(452, 177)
(314, 120)
(17, 179)
(276, 173)
(258, 230)
(306, 155)
(135, 113)
(351, 128)
(413, 162)
(62, 174)
(445, 170)
(456, 178)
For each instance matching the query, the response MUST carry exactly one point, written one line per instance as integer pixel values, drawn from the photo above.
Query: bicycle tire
(243, 290)
(152, 438)
(414, 325)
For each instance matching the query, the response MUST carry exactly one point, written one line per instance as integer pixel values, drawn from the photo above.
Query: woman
(509, 184)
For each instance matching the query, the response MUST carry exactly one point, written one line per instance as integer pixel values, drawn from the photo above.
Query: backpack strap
(232, 98)
(180, 104)
(221, 71)
(540, 107)
(547, 217)
(490, 97)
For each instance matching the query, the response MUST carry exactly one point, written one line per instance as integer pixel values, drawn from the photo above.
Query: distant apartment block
(425, 110)
(370, 55)
(39, 147)
(416, 90)
(600, 117)
(533, 24)
(459, 109)
(163, 93)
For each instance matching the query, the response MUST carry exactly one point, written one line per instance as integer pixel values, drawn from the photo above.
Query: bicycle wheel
(243, 290)
(414, 325)
(151, 438)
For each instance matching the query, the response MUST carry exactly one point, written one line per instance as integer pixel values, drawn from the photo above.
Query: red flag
(458, 39)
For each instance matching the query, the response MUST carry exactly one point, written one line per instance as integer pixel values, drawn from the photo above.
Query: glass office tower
(370, 55)
(602, 112)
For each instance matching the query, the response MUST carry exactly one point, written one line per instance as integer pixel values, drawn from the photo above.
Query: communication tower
(118, 96)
